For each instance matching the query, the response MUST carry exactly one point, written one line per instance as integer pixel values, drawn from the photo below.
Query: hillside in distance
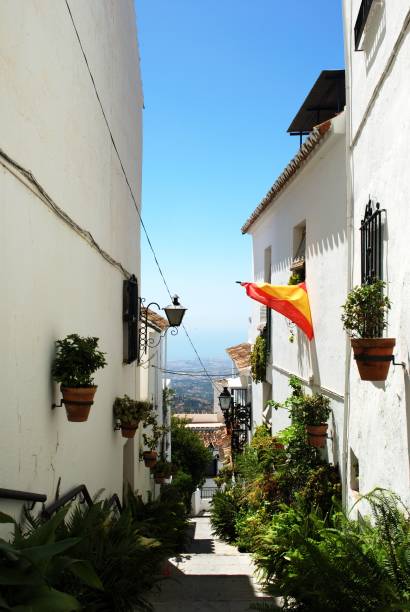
(195, 393)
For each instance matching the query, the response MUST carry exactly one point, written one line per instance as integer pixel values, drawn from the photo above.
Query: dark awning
(326, 98)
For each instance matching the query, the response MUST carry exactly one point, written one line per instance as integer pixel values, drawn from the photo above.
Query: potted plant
(364, 318)
(316, 411)
(130, 412)
(76, 361)
(151, 440)
(162, 470)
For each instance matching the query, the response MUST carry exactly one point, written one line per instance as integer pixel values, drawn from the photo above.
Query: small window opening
(297, 267)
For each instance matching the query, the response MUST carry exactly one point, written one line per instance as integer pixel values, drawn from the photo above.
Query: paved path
(210, 577)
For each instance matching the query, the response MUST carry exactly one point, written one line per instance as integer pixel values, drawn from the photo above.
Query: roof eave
(294, 166)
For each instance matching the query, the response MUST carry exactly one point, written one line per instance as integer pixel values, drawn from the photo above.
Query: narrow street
(211, 576)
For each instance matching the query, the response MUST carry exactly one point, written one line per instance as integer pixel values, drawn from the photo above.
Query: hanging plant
(130, 412)
(365, 318)
(259, 356)
(77, 358)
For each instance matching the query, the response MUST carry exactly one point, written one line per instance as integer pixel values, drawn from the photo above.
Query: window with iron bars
(371, 228)
(130, 317)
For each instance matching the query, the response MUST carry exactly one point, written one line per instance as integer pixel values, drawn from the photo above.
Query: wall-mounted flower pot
(160, 478)
(150, 458)
(373, 357)
(128, 431)
(77, 402)
(317, 435)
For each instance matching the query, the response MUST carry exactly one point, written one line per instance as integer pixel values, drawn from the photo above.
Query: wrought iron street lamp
(225, 399)
(174, 312)
(237, 419)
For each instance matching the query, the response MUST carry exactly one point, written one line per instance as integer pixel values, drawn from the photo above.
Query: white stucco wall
(317, 195)
(151, 389)
(378, 88)
(53, 282)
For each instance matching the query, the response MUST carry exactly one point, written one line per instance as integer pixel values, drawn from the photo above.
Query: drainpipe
(350, 246)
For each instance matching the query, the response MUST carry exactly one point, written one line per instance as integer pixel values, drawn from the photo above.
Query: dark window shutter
(130, 317)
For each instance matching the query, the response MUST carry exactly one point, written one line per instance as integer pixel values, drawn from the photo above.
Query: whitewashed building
(301, 223)
(70, 183)
(377, 49)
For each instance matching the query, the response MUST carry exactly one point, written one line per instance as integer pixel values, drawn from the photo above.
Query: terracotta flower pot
(77, 402)
(159, 478)
(128, 431)
(373, 356)
(150, 458)
(317, 435)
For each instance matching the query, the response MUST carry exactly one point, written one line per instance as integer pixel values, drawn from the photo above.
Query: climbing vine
(259, 357)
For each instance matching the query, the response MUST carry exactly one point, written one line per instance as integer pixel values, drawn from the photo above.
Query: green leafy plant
(163, 468)
(156, 432)
(333, 563)
(76, 361)
(189, 454)
(365, 311)
(225, 507)
(315, 409)
(32, 565)
(130, 411)
(259, 356)
(295, 278)
(164, 519)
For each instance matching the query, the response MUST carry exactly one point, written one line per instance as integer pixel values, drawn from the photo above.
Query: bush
(317, 563)
(124, 557)
(189, 454)
(164, 519)
(225, 507)
(31, 568)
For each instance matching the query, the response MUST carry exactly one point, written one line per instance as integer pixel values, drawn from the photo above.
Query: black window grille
(360, 24)
(130, 317)
(371, 229)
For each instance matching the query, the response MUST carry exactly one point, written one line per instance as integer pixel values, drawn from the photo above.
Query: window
(360, 24)
(130, 317)
(371, 229)
(299, 252)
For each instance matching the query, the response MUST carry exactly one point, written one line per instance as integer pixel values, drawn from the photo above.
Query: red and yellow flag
(290, 300)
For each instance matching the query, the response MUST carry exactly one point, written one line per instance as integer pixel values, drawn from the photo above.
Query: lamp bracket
(145, 342)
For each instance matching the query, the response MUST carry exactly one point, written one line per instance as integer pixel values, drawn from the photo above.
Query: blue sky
(222, 81)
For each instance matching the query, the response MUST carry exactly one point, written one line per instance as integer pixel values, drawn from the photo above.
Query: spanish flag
(290, 300)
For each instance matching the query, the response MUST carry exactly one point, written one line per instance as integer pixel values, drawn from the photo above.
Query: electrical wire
(117, 152)
(194, 374)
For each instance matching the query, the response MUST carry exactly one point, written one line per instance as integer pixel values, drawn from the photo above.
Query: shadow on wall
(375, 33)
(333, 241)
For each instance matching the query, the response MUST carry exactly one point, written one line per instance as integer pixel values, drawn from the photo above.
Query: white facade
(378, 86)
(152, 384)
(54, 280)
(314, 198)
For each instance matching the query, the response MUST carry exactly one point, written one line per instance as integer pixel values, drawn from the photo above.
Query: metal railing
(362, 16)
(80, 491)
(208, 492)
(26, 496)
